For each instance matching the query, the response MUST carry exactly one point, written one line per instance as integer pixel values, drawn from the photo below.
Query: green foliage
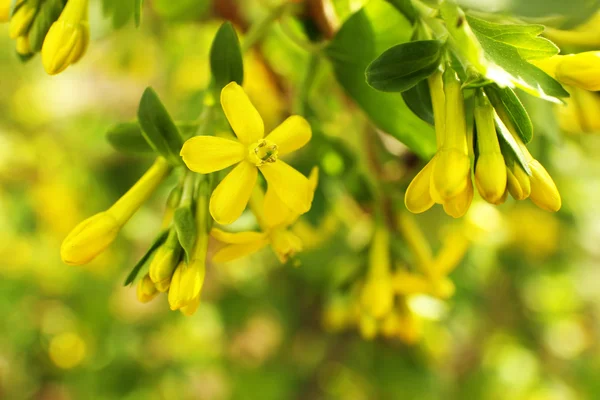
(403, 66)
(507, 100)
(48, 13)
(185, 225)
(509, 146)
(128, 138)
(226, 63)
(158, 128)
(418, 99)
(137, 12)
(387, 111)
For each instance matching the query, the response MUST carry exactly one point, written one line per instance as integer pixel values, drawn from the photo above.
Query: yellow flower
(146, 290)
(418, 195)
(21, 20)
(275, 218)
(4, 10)
(544, 192)
(92, 236)
(67, 39)
(186, 285)
(377, 296)
(581, 70)
(518, 182)
(251, 152)
(490, 170)
(23, 46)
(459, 205)
(165, 261)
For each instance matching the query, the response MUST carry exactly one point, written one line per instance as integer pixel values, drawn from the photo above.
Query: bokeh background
(524, 322)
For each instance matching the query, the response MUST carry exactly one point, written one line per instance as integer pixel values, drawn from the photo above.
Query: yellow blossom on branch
(251, 152)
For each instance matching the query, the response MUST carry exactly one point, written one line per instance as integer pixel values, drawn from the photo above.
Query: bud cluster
(58, 29)
(489, 150)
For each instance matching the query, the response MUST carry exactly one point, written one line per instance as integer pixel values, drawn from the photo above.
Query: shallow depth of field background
(524, 323)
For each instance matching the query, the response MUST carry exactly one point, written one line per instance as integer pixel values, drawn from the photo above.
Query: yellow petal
(459, 205)
(292, 134)
(235, 251)
(245, 121)
(293, 188)
(230, 198)
(418, 198)
(236, 237)
(285, 244)
(206, 154)
(275, 211)
(544, 192)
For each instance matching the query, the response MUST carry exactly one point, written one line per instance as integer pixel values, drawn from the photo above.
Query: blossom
(250, 153)
(67, 40)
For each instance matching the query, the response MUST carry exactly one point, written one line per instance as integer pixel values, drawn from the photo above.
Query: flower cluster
(56, 28)
(177, 260)
(502, 162)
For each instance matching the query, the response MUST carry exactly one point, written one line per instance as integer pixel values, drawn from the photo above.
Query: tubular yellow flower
(418, 197)
(544, 192)
(459, 205)
(377, 296)
(23, 46)
(252, 152)
(146, 290)
(518, 182)
(89, 239)
(490, 171)
(165, 261)
(21, 20)
(4, 10)
(92, 236)
(186, 284)
(452, 163)
(67, 39)
(581, 70)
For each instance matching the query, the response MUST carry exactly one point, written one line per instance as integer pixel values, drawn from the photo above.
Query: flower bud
(544, 192)
(23, 46)
(450, 169)
(165, 261)
(186, 285)
(418, 198)
(146, 290)
(581, 70)
(90, 238)
(21, 20)
(490, 177)
(4, 10)
(518, 182)
(459, 205)
(67, 39)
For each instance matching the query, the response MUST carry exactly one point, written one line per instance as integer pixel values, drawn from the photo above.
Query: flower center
(262, 152)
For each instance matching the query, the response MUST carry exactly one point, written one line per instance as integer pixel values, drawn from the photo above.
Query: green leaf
(48, 13)
(226, 63)
(509, 145)
(185, 225)
(403, 66)
(506, 99)
(418, 99)
(158, 128)
(522, 37)
(406, 8)
(129, 139)
(350, 57)
(137, 12)
(158, 241)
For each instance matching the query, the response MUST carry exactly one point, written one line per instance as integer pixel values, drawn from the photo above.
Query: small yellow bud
(23, 46)
(544, 192)
(186, 284)
(22, 19)
(165, 261)
(459, 205)
(67, 39)
(450, 169)
(518, 182)
(490, 177)
(90, 238)
(418, 198)
(581, 70)
(146, 290)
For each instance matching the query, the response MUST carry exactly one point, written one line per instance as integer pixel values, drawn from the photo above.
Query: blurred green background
(524, 322)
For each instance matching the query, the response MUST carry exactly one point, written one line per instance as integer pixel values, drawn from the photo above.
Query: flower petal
(275, 211)
(245, 121)
(230, 198)
(291, 134)
(236, 237)
(206, 154)
(235, 251)
(293, 188)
